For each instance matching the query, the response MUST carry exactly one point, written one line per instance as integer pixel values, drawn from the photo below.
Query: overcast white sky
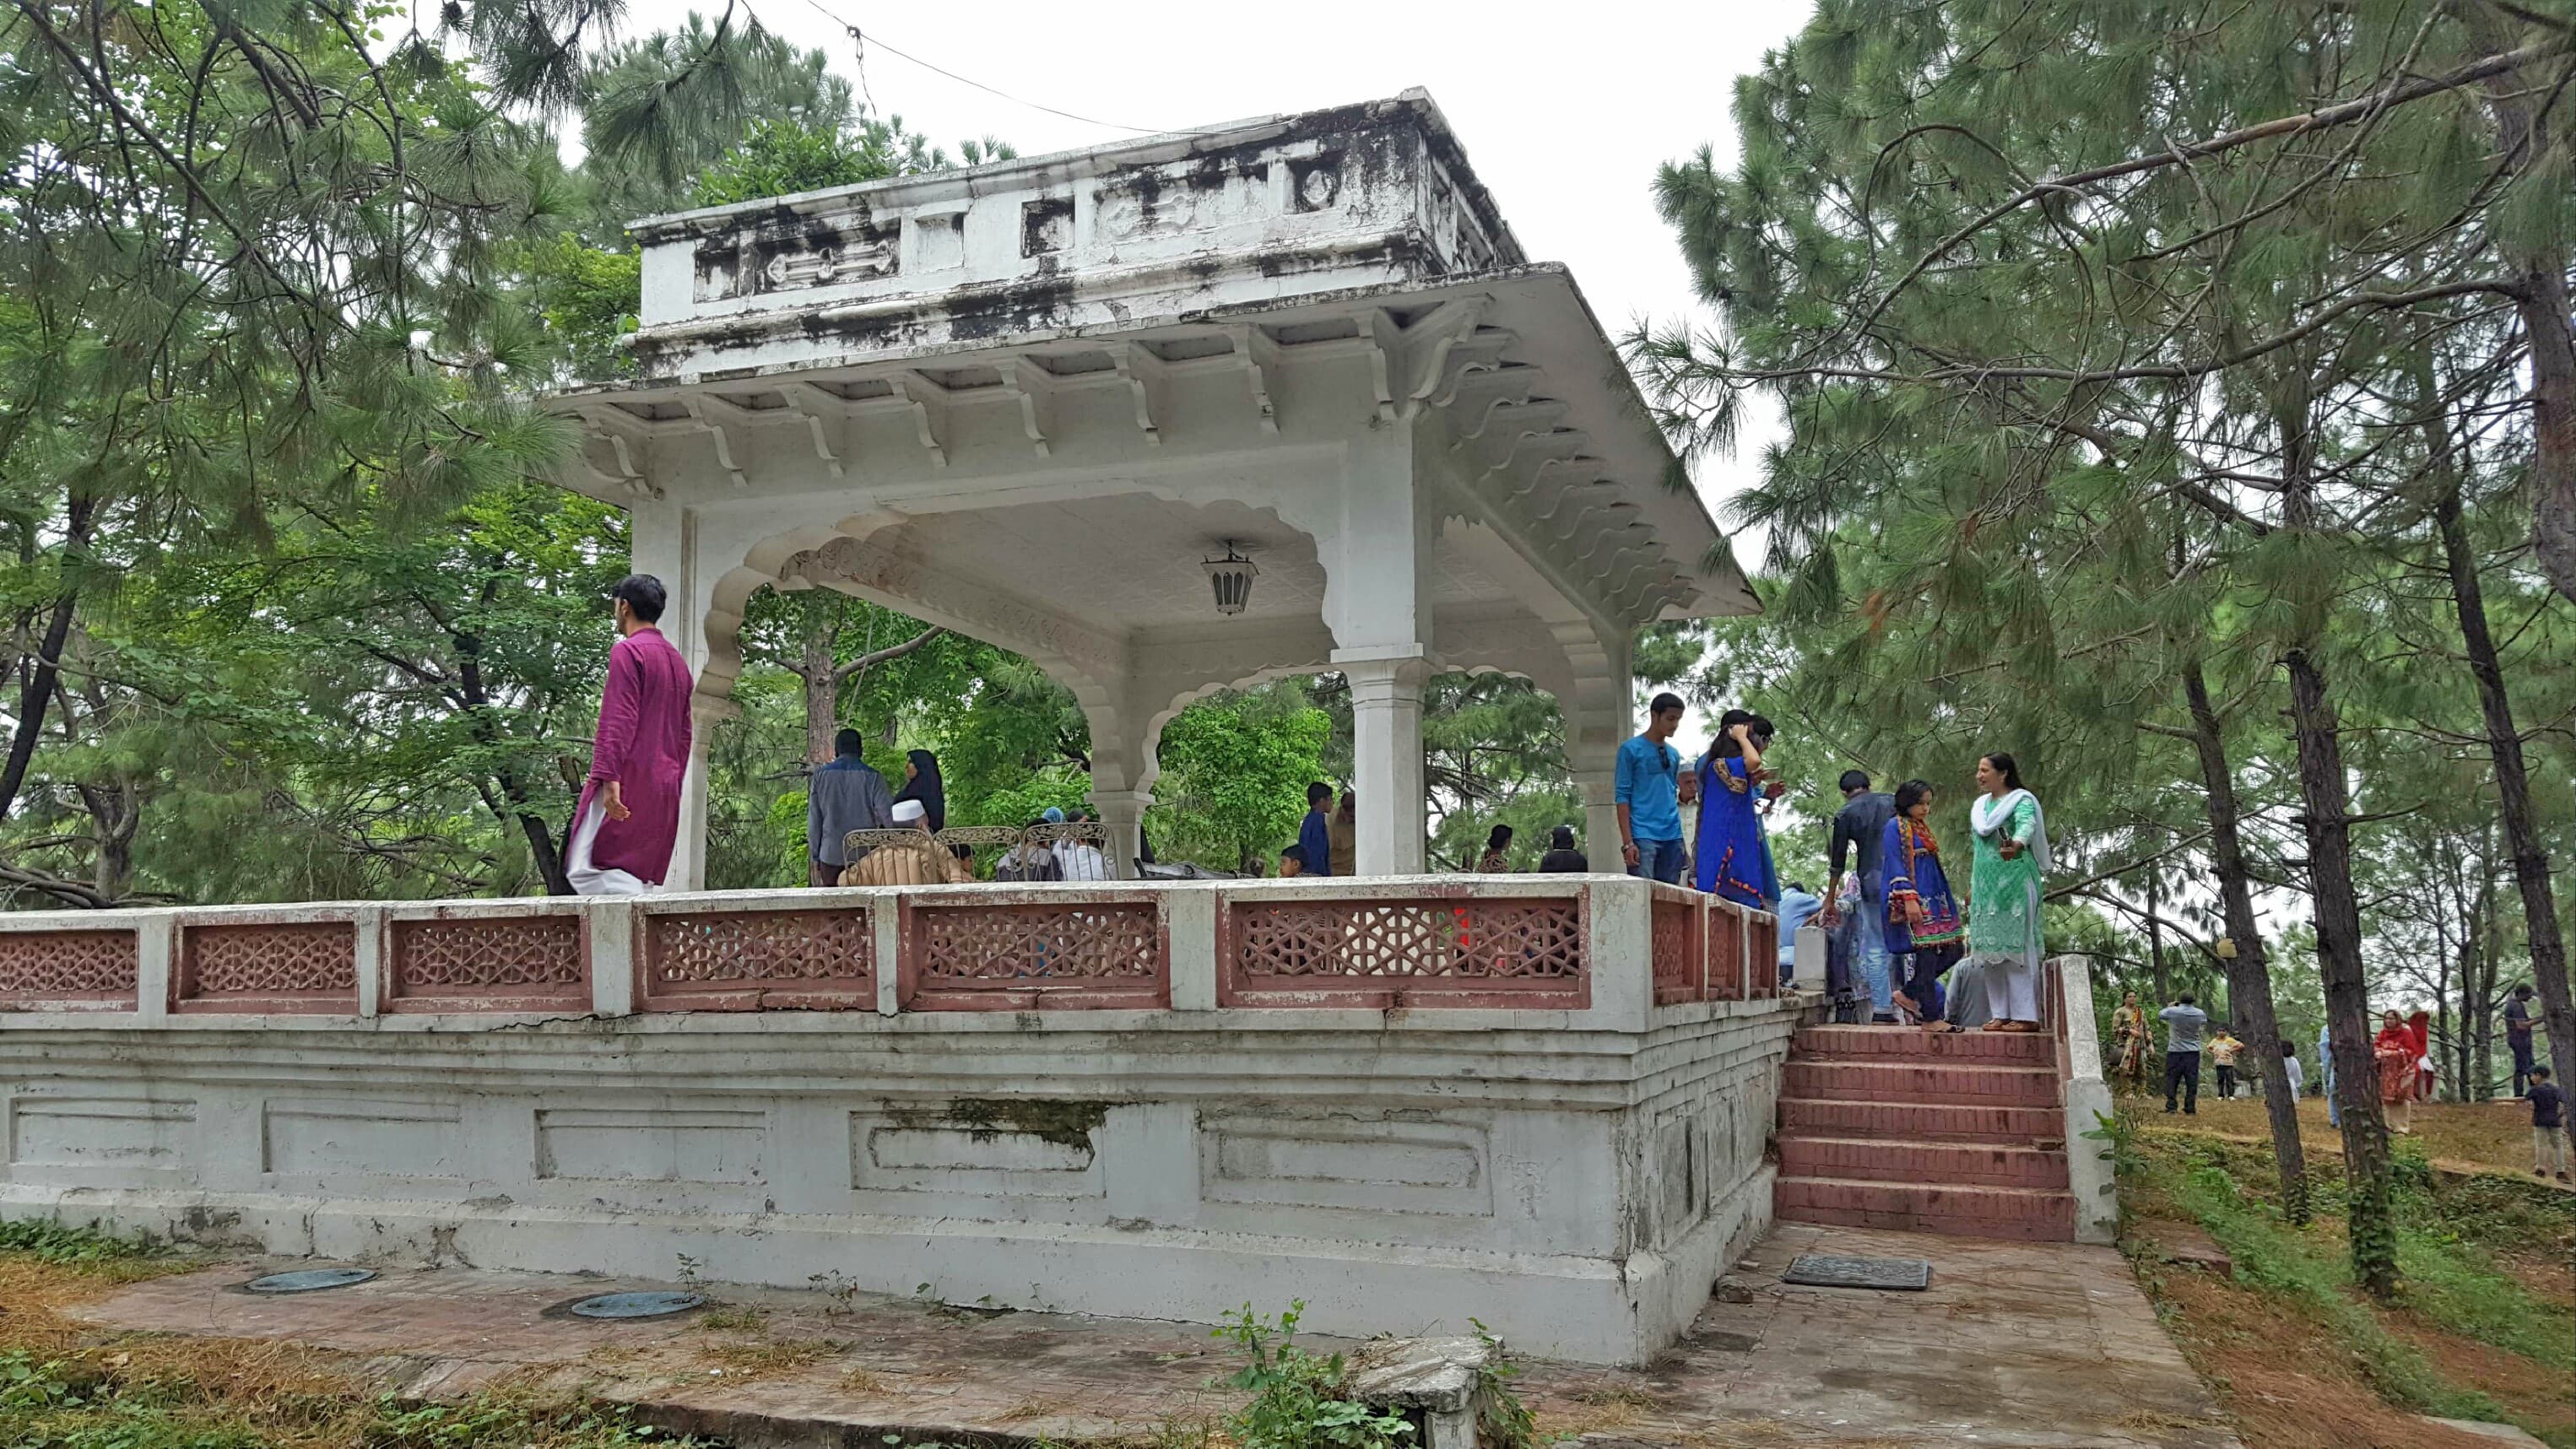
(1565, 111)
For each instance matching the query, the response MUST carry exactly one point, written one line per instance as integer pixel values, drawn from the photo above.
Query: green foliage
(60, 1244)
(1235, 772)
(1502, 1420)
(1297, 1398)
(2274, 1256)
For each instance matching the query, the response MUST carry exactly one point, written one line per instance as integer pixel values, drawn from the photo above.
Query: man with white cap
(917, 860)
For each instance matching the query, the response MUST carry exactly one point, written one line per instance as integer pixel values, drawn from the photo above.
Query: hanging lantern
(1231, 577)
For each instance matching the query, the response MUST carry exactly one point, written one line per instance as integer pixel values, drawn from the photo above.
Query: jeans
(2520, 1041)
(1873, 965)
(2182, 1072)
(2226, 1084)
(1659, 860)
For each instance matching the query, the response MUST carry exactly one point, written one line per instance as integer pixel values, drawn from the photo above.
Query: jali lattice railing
(1016, 952)
(1452, 950)
(712, 960)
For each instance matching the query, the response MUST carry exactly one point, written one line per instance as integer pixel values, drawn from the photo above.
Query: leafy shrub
(1297, 1398)
(62, 1245)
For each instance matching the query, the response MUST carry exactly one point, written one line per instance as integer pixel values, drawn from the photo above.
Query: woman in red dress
(2393, 1050)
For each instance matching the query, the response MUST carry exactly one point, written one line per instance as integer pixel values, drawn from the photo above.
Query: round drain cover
(309, 1280)
(635, 1305)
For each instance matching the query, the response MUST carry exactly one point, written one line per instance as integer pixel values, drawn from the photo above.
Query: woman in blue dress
(1923, 927)
(1734, 859)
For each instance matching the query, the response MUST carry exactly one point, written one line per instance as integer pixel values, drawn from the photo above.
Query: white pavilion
(1039, 402)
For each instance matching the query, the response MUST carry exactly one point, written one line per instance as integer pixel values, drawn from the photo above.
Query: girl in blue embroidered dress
(1734, 861)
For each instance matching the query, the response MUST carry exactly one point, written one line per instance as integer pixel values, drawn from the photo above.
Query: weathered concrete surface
(2038, 1345)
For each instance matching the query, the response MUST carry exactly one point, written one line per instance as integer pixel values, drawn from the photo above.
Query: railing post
(374, 958)
(885, 917)
(616, 955)
(1190, 915)
(2088, 1100)
(1619, 948)
(156, 960)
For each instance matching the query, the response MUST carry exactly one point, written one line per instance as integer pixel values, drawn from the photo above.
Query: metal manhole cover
(309, 1280)
(636, 1305)
(1823, 1270)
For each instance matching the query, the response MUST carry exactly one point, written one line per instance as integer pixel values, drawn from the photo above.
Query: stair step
(1978, 1164)
(2017, 1213)
(1920, 1082)
(1884, 1043)
(1920, 1122)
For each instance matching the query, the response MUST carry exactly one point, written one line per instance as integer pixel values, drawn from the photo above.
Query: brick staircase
(1960, 1134)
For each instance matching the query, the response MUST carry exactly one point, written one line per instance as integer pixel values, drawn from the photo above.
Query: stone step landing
(1941, 1082)
(1958, 1133)
(1918, 1122)
(1980, 1164)
(1885, 1044)
(2019, 1214)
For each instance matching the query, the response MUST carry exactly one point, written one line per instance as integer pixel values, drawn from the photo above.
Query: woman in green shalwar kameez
(2011, 852)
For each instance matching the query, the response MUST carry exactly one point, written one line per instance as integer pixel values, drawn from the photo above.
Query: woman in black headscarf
(921, 782)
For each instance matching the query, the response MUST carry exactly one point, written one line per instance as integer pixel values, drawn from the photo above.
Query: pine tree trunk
(2156, 941)
(2249, 976)
(2513, 791)
(2369, 1198)
(822, 690)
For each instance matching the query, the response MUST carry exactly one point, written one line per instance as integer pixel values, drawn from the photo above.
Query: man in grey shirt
(845, 795)
(2183, 1023)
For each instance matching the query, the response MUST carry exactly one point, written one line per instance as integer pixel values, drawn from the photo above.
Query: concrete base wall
(1576, 1190)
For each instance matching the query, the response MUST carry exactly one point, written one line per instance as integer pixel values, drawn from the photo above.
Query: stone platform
(1539, 1101)
(2039, 1345)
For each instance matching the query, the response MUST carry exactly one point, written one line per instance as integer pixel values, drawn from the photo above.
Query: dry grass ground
(2485, 1326)
(65, 1385)
(2458, 1136)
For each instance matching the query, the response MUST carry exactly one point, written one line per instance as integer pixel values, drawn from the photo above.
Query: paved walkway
(2016, 1344)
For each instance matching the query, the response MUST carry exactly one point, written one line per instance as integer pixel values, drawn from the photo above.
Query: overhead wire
(863, 40)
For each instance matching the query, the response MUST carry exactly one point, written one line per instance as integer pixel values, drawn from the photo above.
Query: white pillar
(663, 542)
(1386, 759)
(689, 851)
(1123, 813)
(1594, 704)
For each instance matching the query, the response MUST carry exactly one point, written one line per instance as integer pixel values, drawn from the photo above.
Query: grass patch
(61, 1245)
(2475, 1333)
(63, 1388)
(2271, 1255)
(735, 1318)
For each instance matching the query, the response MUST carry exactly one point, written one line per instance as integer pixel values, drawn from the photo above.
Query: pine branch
(887, 655)
(2343, 114)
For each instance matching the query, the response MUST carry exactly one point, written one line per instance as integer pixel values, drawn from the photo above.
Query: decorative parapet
(69, 969)
(1256, 211)
(1708, 949)
(1457, 946)
(1035, 949)
(267, 963)
(1599, 951)
(487, 956)
(709, 953)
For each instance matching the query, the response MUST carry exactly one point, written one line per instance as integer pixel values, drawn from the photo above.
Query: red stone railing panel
(1762, 955)
(1679, 954)
(1031, 952)
(485, 962)
(1454, 950)
(267, 967)
(1725, 951)
(78, 970)
(774, 960)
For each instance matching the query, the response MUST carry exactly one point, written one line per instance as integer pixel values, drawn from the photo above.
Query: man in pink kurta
(629, 816)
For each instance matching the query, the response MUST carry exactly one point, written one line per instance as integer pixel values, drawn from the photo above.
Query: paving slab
(2015, 1345)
